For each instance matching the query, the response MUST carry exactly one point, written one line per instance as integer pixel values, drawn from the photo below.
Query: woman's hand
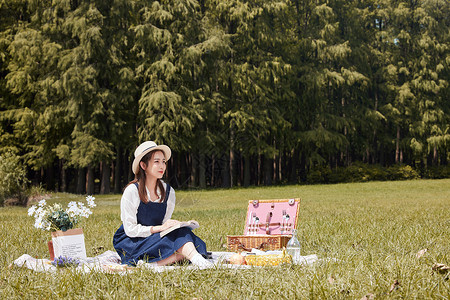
(169, 223)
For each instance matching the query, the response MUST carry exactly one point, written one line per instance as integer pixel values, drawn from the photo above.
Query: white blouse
(128, 210)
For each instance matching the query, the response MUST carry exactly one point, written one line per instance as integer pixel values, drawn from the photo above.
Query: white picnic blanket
(109, 262)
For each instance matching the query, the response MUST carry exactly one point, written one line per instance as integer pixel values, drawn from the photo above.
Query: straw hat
(145, 148)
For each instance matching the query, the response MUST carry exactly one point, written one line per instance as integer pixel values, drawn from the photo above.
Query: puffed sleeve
(170, 205)
(128, 213)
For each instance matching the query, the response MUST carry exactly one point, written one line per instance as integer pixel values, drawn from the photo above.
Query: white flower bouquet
(54, 217)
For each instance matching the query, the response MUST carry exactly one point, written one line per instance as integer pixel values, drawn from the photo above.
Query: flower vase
(50, 250)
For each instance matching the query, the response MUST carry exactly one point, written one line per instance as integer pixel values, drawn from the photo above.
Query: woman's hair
(140, 179)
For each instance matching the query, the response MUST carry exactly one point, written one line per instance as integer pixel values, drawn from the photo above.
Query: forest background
(244, 92)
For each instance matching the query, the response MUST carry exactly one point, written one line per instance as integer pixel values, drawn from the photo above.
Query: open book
(191, 224)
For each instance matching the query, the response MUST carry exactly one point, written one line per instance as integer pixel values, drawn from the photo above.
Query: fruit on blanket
(268, 259)
(237, 259)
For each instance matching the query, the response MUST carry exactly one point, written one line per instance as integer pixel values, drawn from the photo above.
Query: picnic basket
(268, 225)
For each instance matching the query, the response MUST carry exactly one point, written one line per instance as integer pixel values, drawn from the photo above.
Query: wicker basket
(237, 243)
(267, 234)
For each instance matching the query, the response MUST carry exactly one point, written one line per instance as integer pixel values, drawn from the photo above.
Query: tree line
(244, 92)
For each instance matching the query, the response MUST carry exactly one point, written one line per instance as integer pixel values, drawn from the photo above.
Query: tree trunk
(346, 153)
(193, 177)
(175, 170)
(117, 168)
(128, 173)
(202, 171)
(241, 170)
(187, 166)
(213, 170)
(293, 174)
(90, 181)
(435, 156)
(231, 167)
(81, 182)
(275, 169)
(105, 185)
(374, 140)
(63, 176)
(280, 170)
(275, 164)
(258, 172)
(397, 146)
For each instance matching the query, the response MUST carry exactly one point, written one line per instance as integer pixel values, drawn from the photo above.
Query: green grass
(368, 235)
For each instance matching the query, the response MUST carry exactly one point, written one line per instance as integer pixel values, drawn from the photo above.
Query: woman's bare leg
(171, 259)
(190, 252)
(187, 251)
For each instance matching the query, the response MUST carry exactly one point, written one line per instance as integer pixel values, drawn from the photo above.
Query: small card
(69, 243)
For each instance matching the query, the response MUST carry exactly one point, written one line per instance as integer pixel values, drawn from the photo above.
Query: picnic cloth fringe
(109, 262)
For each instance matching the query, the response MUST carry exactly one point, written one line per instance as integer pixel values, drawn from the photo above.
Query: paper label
(69, 243)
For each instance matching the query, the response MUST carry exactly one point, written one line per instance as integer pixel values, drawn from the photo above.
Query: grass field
(367, 235)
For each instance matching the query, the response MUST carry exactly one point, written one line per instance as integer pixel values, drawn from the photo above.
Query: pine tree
(33, 112)
(421, 82)
(74, 88)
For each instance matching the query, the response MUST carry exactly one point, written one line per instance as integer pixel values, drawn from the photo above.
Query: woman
(146, 208)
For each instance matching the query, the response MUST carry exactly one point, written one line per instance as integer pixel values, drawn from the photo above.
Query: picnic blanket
(109, 262)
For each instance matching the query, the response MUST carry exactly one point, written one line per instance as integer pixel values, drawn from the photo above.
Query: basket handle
(269, 215)
(260, 247)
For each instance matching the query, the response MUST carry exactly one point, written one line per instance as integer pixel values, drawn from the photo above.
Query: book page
(191, 224)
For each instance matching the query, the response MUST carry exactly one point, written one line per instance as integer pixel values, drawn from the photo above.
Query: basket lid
(272, 217)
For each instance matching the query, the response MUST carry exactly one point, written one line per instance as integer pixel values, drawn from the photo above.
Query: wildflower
(39, 211)
(65, 261)
(42, 203)
(38, 223)
(31, 210)
(90, 200)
